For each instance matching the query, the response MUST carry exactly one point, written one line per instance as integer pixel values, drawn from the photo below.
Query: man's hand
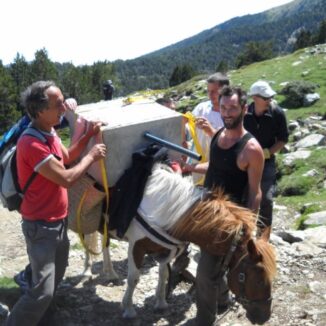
(98, 152)
(93, 128)
(70, 104)
(267, 153)
(203, 124)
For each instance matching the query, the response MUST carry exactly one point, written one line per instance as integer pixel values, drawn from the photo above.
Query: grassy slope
(277, 71)
(280, 70)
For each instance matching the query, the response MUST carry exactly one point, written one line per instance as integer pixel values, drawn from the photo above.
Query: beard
(234, 123)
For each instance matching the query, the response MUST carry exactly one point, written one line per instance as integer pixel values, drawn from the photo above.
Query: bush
(294, 185)
(295, 92)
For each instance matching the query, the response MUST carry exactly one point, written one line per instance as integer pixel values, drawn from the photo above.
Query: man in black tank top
(236, 164)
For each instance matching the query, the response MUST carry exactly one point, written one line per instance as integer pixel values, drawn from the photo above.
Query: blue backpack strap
(31, 131)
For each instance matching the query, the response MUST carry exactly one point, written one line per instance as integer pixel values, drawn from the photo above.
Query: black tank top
(223, 171)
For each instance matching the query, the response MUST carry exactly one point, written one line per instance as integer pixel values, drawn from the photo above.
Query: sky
(87, 31)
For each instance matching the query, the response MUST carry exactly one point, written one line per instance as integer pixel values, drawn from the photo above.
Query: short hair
(218, 78)
(231, 90)
(34, 99)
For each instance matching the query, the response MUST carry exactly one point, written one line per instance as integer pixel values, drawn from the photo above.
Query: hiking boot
(21, 281)
(223, 307)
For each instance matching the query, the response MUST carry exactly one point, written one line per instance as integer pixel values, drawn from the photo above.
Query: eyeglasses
(264, 98)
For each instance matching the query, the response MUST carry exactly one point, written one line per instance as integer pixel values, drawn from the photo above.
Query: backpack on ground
(11, 194)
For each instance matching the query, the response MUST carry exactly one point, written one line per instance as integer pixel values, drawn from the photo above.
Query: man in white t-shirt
(209, 111)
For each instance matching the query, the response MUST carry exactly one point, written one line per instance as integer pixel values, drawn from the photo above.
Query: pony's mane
(218, 215)
(269, 258)
(167, 196)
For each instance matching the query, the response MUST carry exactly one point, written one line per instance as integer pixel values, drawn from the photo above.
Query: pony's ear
(265, 235)
(253, 252)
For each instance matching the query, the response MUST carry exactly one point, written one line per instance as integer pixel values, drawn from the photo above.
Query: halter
(242, 299)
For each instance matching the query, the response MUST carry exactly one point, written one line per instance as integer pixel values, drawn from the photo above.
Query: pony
(174, 208)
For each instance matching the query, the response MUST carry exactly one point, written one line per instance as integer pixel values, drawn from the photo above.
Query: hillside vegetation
(306, 65)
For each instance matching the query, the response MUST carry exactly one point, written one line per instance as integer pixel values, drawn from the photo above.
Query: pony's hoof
(110, 276)
(129, 313)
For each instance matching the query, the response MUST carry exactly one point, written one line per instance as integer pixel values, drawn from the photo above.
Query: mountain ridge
(203, 51)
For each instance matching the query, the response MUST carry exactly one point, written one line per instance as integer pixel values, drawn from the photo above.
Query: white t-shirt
(205, 110)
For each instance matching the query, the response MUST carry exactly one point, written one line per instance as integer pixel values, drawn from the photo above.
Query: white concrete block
(124, 131)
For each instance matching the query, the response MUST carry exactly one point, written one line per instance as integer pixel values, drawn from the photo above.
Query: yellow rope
(192, 127)
(106, 212)
(107, 198)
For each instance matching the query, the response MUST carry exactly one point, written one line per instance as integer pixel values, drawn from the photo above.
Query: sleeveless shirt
(223, 171)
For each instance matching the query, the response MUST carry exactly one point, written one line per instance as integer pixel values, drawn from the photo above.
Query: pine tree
(42, 68)
(8, 111)
(304, 39)
(321, 34)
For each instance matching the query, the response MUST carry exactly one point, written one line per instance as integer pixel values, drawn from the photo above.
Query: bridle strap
(242, 298)
(229, 255)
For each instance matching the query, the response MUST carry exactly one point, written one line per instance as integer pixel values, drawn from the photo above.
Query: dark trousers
(48, 249)
(268, 189)
(211, 289)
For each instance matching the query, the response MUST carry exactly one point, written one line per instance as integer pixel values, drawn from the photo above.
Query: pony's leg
(91, 242)
(161, 287)
(133, 278)
(108, 270)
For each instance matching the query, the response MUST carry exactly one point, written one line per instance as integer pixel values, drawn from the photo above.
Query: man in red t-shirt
(45, 204)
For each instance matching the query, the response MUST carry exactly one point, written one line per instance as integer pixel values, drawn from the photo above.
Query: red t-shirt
(43, 200)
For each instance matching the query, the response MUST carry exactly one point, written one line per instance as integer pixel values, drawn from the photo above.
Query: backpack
(11, 194)
(11, 136)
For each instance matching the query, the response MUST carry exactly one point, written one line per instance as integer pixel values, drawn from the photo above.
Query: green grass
(279, 70)
(7, 283)
(276, 71)
(312, 188)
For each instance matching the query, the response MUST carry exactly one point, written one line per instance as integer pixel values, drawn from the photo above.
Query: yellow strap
(133, 99)
(107, 196)
(192, 127)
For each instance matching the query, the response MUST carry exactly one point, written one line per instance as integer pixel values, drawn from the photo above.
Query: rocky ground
(299, 289)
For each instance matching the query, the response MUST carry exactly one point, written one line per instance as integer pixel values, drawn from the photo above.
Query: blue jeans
(48, 249)
(268, 189)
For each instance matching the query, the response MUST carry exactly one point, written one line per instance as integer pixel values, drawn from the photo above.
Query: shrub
(295, 92)
(294, 185)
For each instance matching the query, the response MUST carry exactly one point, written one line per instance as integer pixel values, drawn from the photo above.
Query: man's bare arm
(255, 171)
(55, 171)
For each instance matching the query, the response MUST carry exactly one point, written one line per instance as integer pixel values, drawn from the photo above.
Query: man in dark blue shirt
(266, 121)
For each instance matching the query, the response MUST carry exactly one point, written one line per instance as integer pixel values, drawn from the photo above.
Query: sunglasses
(265, 98)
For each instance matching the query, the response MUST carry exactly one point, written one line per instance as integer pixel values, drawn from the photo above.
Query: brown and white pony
(211, 221)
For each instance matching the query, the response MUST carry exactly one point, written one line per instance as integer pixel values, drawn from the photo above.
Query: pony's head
(251, 280)
(213, 224)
